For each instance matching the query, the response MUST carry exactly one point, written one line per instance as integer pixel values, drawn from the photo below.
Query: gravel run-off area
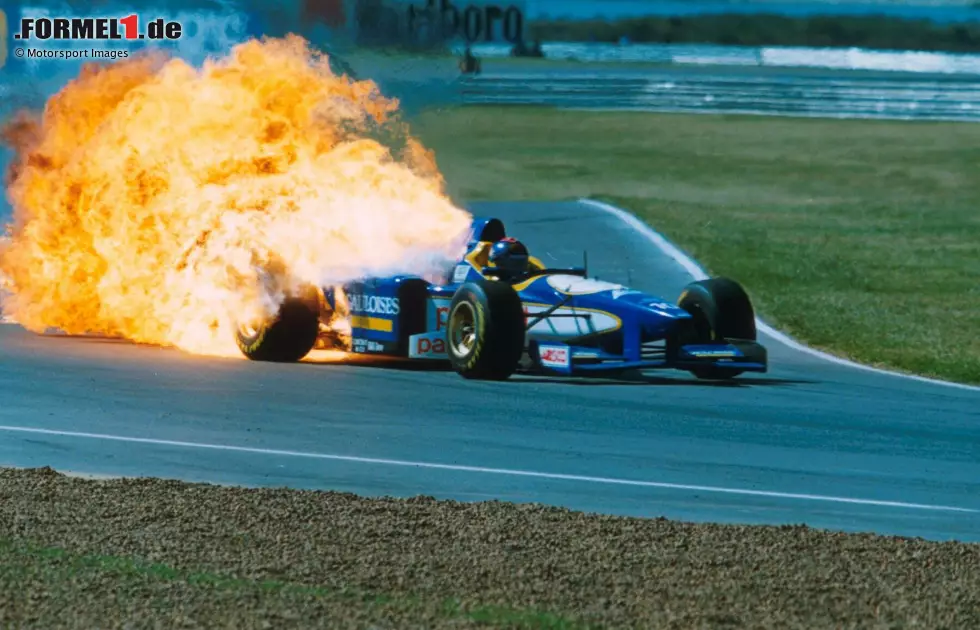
(153, 553)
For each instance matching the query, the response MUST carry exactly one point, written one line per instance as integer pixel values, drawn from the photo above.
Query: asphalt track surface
(810, 442)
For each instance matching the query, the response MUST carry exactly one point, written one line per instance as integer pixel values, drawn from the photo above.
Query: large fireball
(152, 199)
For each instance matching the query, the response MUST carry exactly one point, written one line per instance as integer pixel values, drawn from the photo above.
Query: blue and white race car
(501, 311)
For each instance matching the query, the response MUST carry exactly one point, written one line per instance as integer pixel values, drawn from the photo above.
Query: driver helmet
(509, 254)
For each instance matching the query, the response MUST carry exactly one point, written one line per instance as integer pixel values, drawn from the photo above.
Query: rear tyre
(721, 310)
(286, 338)
(485, 334)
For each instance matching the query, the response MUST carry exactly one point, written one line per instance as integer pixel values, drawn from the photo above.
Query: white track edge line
(698, 273)
(492, 471)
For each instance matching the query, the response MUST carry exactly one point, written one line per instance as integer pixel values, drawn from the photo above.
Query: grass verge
(861, 238)
(152, 553)
(45, 586)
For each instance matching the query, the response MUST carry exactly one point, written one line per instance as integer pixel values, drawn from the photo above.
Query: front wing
(734, 354)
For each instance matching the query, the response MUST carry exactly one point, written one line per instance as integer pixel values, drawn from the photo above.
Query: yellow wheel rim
(462, 329)
(247, 330)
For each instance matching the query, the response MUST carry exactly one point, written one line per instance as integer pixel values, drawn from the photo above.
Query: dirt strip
(602, 570)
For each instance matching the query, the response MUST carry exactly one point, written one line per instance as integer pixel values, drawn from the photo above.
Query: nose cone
(649, 304)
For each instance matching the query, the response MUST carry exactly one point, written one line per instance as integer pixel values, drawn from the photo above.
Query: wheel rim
(247, 330)
(462, 327)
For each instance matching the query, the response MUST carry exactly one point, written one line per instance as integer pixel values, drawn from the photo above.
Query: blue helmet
(510, 255)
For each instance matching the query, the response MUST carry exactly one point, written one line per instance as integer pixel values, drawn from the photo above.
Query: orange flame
(151, 199)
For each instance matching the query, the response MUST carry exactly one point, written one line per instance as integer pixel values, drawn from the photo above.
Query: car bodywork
(574, 324)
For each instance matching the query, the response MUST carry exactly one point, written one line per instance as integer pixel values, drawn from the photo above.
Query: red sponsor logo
(442, 317)
(425, 346)
(554, 356)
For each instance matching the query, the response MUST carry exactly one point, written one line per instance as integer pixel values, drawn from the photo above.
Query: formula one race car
(500, 311)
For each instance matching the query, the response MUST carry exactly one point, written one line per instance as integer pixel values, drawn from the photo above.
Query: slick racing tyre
(485, 333)
(721, 310)
(286, 338)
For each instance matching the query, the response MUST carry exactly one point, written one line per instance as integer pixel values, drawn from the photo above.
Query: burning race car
(501, 311)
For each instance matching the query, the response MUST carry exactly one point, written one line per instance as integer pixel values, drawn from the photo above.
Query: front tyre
(286, 338)
(485, 332)
(721, 310)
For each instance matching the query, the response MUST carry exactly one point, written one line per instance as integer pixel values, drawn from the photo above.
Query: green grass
(41, 583)
(861, 238)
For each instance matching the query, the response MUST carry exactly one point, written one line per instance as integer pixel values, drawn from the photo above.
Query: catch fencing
(832, 94)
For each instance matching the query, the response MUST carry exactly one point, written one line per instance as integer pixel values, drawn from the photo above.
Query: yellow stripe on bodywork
(520, 286)
(371, 323)
(475, 256)
(619, 322)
